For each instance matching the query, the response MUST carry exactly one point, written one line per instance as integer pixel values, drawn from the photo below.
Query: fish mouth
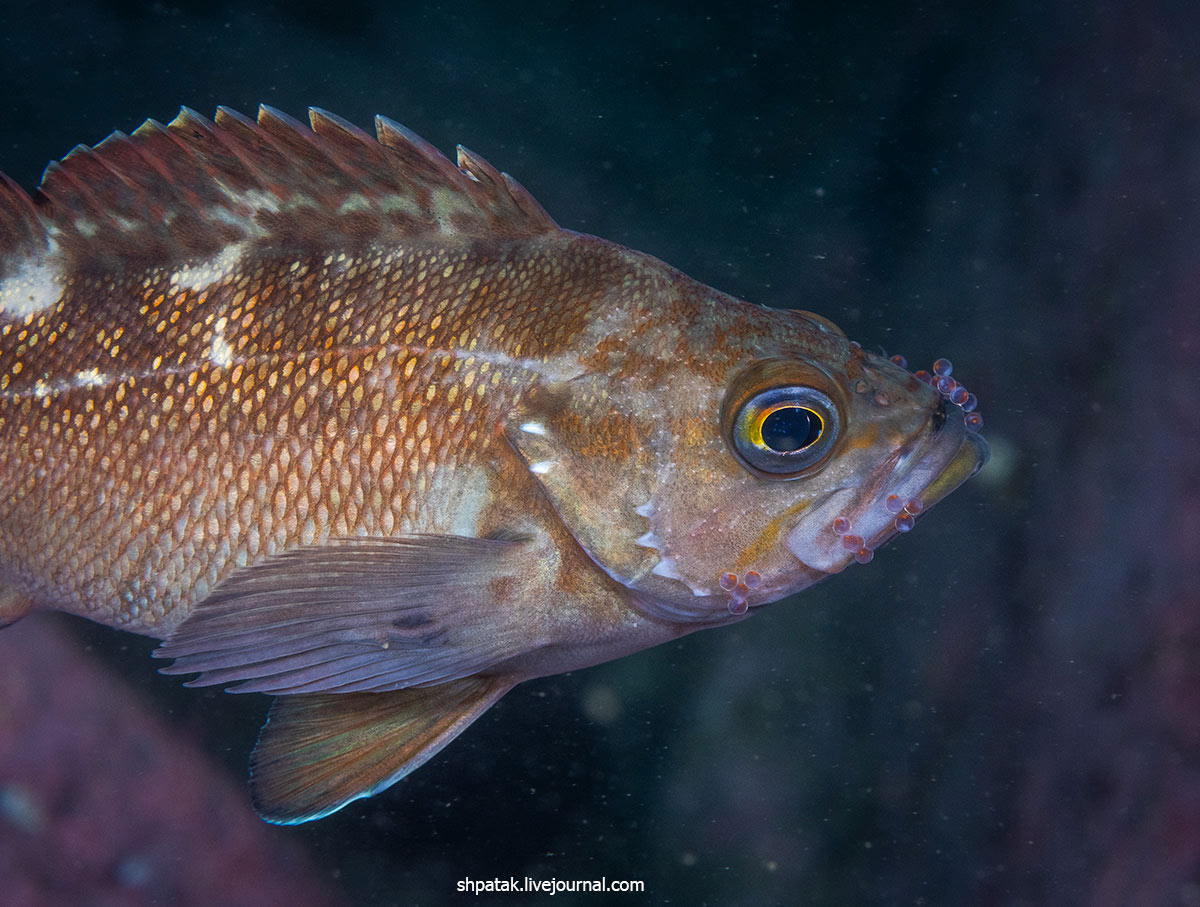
(852, 522)
(945, 459)
(972, 455)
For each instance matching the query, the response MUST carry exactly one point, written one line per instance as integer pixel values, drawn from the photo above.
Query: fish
(341, 421)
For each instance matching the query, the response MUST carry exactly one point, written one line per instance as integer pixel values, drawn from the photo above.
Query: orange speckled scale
(347, 423)
(266, 409)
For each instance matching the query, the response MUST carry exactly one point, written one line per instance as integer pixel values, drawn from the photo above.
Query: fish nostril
(939, 416)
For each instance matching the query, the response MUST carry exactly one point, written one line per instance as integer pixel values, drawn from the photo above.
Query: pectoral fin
(318, 753)
(356, 615)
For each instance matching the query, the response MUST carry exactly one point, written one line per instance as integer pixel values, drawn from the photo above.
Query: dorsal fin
(21, 228)
(188, 189)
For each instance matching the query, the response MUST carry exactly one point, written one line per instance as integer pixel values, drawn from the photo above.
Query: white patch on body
(217, 269)
(89, 378)
(533, 428)
(35, 285)
(541, 467)
(457, 500)
(474, 494)
(220, 353)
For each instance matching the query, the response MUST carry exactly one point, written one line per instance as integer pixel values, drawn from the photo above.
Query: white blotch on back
(213, 270)
(33, 285)
(221, 353)
(533, 428)
(541, 467)
(450, 203)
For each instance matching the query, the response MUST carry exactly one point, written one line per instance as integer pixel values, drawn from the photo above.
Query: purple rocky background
(1003, 708)
(102, 802)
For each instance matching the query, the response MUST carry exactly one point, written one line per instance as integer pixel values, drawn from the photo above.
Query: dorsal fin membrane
(21, 228)
(186, 190)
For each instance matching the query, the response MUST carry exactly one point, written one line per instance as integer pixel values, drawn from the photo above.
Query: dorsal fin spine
(404, 141)
(525, 201)
(227, 120)
(141, 175)
(167, 195)
(21, 227)
(68, 192)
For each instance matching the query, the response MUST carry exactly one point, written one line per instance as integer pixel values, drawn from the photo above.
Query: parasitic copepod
(350, 424)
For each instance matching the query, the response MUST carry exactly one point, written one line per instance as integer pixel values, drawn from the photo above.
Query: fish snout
(853, 522)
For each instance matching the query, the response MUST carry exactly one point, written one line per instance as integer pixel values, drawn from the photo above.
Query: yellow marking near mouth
(866, 439)
(768, 539)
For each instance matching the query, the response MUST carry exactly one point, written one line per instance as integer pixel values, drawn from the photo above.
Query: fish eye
(785, 431)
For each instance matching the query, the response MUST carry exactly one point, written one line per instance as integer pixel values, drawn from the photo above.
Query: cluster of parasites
(906, 511)
(906, 517)
(739, 590)
(939, 379)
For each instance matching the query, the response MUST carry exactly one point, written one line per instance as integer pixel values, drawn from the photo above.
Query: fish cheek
(593, 463)
(712, 518)
(703, 514)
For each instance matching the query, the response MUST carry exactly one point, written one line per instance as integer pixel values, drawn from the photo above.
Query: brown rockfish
(349, 424)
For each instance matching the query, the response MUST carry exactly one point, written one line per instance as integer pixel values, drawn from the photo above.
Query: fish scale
(344, 422)
(238, 431)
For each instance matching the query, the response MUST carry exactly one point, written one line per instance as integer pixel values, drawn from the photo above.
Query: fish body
(347, 423)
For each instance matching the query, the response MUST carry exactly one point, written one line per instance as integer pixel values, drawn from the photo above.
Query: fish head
(769, 453)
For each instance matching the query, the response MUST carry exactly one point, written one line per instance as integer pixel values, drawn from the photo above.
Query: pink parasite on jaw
(739, 590)
(906, 512)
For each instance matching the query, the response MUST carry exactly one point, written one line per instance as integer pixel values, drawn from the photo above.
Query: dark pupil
(791, 428)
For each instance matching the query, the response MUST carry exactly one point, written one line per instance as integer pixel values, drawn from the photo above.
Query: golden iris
(785, 432)
(786, 428)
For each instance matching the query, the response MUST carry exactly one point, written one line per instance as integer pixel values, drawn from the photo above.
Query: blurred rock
(102, 803)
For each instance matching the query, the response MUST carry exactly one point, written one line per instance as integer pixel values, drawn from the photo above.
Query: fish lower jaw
(814, 541)
(847, 527)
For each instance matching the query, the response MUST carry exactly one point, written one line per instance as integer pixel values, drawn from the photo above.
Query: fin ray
(165, 195)
(354, 614)
(318, 753)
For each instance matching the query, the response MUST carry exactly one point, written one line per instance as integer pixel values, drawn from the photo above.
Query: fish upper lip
(943, 460)
(932, 451)
(921, 468)
(938, 462)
